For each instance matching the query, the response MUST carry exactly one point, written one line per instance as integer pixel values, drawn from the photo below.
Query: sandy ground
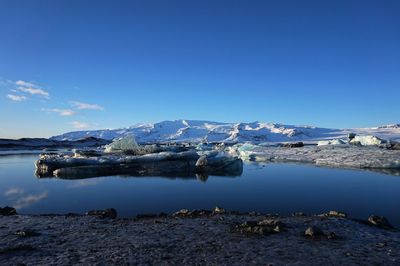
(198, 238)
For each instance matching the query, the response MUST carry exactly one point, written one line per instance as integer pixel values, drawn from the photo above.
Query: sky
(73, 65)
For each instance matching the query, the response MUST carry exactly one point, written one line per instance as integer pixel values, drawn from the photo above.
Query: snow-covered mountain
(207, 131)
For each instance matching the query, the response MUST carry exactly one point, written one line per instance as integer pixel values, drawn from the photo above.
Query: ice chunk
(127, 143)
(367, 140)
(332, 142)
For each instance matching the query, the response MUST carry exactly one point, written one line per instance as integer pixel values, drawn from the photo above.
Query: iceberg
(124, 144)
(366, 140)
(167, 163)
(331, 142)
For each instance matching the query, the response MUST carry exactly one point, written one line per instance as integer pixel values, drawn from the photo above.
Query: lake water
(272, 188)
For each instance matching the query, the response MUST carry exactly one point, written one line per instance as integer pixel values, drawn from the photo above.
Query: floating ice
(127, 143)
(367, 140)
(331, 142)
(166, 163)
(341, 156)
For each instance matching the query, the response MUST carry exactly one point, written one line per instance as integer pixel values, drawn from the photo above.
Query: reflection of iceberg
(173, 164)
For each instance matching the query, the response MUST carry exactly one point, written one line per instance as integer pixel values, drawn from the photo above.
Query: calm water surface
(273, 188)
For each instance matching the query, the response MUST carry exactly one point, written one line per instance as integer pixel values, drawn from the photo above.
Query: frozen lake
(272, 188)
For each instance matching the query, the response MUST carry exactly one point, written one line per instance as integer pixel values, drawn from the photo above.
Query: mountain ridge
(184, 130)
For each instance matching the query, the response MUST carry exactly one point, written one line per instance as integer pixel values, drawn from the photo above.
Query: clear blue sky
(66, 65)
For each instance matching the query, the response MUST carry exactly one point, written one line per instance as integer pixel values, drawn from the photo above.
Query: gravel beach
(197, 238)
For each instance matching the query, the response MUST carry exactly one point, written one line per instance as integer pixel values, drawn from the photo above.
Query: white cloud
(25, 84)
(35, 91)
(62, 112)
(31, 88)
(16, 98)
(86, 106)
(80, 125)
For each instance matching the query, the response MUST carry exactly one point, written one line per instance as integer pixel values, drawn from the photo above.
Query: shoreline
(196, 237)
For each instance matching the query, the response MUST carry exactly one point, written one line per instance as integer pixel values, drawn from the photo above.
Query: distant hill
(41, 143)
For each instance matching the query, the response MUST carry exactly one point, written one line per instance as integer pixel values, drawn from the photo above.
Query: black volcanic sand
(195, 238)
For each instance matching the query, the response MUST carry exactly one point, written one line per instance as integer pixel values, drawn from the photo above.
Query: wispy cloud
(16, 98)
(80, 125)
(35, 91)
(86, 106)
(23, 89)
(62, 112)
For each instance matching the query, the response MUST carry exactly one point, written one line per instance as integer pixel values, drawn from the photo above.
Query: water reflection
(14, 191)
(21, 199)
(165, 169)
(272, 188)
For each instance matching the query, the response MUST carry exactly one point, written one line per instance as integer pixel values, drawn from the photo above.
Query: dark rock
(337, 214)
(351, 136)
(20, 248)
(181, 213)
(201, 163)
(218, 210)
(72, 214)
(199, 213)
(146, 216)
(162, 215)
(381, 244)
(276, 225)
(7, 211)
(184, 213)
(107, 213)
(332, 236)
(394, 146)
(298, 214)
(379, 221)
(250, 223)
(313, 231)
(293, 145)
(264, 227)
(27, 233)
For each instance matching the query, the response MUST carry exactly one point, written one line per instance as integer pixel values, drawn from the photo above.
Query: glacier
(197, 131)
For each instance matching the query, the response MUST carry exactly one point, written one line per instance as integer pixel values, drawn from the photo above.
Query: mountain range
(209, 131)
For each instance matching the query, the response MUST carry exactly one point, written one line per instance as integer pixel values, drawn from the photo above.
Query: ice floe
(342, 156)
